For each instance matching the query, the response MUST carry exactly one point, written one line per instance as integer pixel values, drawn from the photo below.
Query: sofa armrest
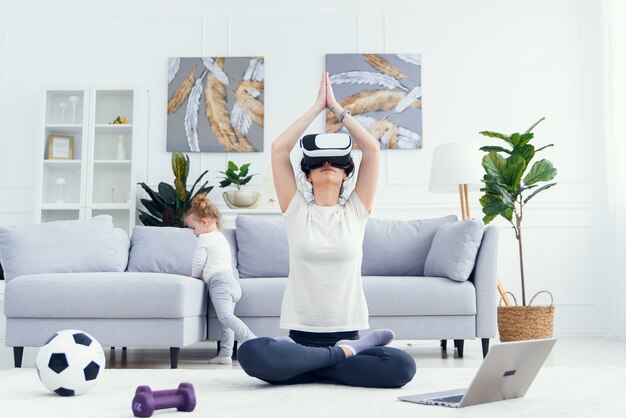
(485, 278)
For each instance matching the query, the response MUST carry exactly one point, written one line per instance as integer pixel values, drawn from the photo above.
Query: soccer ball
(70, 362)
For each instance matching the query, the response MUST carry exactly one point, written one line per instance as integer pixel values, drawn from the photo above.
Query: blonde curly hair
(202, 207)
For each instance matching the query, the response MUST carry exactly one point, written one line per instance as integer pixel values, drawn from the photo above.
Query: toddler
(212, 263)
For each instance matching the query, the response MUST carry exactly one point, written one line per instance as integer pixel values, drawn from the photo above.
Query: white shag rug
(557, 392)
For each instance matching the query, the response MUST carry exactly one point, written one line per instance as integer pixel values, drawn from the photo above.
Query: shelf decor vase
(241, 199)
(121, 148)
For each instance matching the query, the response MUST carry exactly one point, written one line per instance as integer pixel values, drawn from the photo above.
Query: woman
(324, 305)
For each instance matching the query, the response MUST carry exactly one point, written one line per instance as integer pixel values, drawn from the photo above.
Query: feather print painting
(383, 92)
(216, 104)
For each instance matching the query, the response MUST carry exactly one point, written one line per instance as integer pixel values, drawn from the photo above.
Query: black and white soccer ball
(70, 363)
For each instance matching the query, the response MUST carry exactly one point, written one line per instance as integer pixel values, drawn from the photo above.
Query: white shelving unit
(98, 180)
(65, 114)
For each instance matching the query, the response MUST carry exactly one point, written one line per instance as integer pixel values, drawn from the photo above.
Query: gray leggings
(224, 292)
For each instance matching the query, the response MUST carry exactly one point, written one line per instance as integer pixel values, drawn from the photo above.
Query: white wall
(615, 88)
(487, 65)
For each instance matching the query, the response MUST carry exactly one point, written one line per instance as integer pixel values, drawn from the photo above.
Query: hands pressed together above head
(326, 96)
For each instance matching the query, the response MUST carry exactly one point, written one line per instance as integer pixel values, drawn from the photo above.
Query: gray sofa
(145, 298)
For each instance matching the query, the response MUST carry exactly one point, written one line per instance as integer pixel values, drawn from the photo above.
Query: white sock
(221, 360)
(377, 338)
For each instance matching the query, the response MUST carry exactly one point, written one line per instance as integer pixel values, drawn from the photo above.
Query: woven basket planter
(517, 323)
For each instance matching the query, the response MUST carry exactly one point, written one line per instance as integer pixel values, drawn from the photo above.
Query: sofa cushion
(262, 246)
(454, 249)
(168, 250)
(105, 295)
(386, 296)
(259, 297)
(58, 247)
(231, 237)
(410, 296)
(161, 250)
(122, 244)
(398, 248)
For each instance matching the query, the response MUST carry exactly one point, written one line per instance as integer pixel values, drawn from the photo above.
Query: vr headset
(319, 148)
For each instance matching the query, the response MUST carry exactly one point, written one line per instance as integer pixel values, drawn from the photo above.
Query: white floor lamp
(456, 167)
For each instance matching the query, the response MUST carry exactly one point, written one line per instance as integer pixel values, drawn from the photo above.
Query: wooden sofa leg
(18, 353)
(444, 345)
(174, 357)
(485, 342)
(219, 344)
(458, 344)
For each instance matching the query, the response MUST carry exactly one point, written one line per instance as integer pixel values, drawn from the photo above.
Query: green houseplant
(168, 205)
(510, 182)
(239, 177)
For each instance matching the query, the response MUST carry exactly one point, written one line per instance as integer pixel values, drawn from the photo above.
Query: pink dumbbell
(146, 401)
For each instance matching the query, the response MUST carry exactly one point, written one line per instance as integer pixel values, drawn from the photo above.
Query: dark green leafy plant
(168, 205)
(236, 175)
(507, 183)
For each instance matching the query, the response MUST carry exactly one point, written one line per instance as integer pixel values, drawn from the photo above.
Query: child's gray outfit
(212, 262)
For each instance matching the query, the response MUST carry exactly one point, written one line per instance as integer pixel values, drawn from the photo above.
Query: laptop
(506, 373)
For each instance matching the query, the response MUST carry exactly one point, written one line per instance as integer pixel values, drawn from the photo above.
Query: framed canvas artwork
(383, 92)
(215, 104)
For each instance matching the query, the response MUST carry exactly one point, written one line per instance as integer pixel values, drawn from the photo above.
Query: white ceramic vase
(121, 148)
(240, 199)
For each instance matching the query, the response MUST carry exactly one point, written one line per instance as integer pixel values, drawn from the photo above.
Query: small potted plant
(510, 182)
(238, 176)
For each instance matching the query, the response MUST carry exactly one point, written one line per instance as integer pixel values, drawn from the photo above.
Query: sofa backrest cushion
(122, 244)
(398, 248)
(161, 250)
(167, 250)
(60, 247)
(454, 249)
(390, 247)
(262, 246)
(231, 237)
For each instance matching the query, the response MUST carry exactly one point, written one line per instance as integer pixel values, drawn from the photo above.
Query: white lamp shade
(454, 164)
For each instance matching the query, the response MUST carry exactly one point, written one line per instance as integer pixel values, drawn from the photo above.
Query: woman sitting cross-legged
(324, 304)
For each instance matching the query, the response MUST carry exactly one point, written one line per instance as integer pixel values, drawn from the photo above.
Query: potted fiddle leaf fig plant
(511, 180)
(239, 177)
(169, 204)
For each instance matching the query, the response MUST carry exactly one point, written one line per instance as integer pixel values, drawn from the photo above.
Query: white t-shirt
(324, 291)
(212, 255)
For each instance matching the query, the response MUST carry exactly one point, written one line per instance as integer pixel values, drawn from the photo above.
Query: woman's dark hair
(349, 171)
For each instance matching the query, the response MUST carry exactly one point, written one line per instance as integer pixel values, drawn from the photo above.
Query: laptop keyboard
(449, 399)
